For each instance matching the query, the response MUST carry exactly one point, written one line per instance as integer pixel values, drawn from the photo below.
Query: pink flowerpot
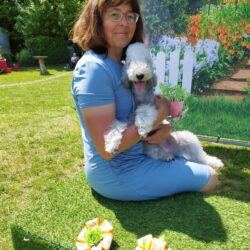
(175, 108)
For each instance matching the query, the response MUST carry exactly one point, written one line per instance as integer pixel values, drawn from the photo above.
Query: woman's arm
(98, 121)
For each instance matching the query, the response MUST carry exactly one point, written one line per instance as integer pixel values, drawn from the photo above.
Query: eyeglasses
(116, 16)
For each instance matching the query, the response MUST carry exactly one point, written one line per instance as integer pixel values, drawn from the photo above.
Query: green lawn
(40, 145)
(217, 116)
(30, 74)
(40, 155)
(188, 221)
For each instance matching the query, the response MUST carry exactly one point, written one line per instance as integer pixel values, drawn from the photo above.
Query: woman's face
(119, 24)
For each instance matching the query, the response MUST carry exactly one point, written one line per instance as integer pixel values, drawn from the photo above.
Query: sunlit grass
(217, 116)
(40, 146)
(188, 221)
(30, 74)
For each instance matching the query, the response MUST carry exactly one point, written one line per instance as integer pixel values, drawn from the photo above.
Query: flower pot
(175, 108)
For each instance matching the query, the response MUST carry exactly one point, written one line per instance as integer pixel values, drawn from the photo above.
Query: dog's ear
(153, 81)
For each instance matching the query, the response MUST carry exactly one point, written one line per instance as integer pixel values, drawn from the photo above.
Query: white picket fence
(174, 65)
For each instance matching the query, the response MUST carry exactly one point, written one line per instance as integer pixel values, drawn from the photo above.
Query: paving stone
(230, 86)
(242, 74)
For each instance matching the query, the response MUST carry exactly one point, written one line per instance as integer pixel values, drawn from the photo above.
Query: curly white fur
(145, 114)
(139, 67)
(113, 137)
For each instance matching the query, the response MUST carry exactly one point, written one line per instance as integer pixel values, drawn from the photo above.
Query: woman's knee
(212, 182)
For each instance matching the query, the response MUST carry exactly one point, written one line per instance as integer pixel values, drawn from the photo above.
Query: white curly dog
(139, 76)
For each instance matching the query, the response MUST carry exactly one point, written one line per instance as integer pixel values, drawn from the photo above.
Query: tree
(8, 12)
(160, 16)
(24, 19)
(47, 18)
(194, 6)
(45, 26)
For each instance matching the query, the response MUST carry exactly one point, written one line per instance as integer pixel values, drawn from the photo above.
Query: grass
(30, 74)
(188, 221)
(40, 145)
(41, 161)
(217, 116)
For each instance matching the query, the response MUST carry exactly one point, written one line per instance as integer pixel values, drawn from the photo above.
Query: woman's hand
(98, 120)
(162, 105)
(160, 135)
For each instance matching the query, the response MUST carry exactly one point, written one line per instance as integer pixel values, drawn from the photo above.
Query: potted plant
(176, 96)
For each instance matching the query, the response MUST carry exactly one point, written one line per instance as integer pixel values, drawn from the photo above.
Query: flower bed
(218, 40)
(225, 23)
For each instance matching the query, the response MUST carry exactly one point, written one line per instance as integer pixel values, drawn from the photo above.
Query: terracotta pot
(175, 108)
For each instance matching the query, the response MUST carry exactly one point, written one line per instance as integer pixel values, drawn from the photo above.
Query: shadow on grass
(188, 213)
(234, 177)
(185, 213)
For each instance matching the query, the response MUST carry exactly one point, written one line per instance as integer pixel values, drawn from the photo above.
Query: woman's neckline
(113, 60)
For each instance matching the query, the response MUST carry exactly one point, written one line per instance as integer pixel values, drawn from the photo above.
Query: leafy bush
(6, 54)
(24, 58)
(228, 25)
(55, 48)
(45, 26)
(47, 18)
(194, 6)
(160, 17)
(174, 93)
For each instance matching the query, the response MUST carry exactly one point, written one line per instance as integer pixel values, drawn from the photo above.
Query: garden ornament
(149, 243)
(96, 235)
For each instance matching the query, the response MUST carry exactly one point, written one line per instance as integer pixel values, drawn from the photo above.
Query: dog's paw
(214, 162)
(144, 118)
(218, 164)
(113, 137)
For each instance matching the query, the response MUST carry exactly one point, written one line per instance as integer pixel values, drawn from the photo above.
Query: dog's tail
(214, 162)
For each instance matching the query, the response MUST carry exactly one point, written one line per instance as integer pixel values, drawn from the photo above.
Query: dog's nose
(139, 76)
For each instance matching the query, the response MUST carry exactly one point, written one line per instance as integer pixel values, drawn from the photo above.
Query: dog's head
(138, 69)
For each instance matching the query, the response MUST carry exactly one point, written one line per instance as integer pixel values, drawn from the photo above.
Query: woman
(104, 29)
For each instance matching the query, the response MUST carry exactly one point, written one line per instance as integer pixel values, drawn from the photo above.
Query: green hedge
(24, 58)
(55, 48)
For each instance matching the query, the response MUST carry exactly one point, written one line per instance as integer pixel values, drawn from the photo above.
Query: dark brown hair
(88, 29)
